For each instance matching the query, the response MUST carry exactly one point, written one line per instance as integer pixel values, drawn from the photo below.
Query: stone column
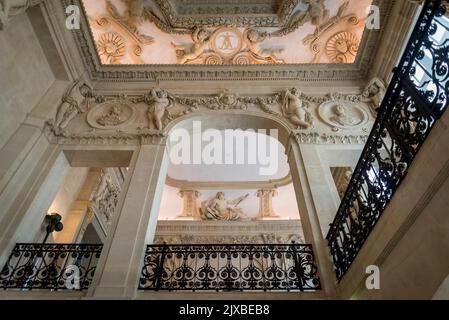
(266, 203)
(119, 268)
(26, 196)
(88, 217)
(189, 204)
(312, 199)
(322, 186)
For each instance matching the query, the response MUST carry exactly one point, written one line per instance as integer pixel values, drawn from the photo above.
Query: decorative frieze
(252, 232)
(104, 198)
(84, 117)
(262, 238)
(324, 138)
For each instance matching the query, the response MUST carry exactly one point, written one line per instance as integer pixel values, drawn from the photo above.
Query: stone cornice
(208, 185)
(118, 138)
(236, 16)
(177, 227)
(325, 138)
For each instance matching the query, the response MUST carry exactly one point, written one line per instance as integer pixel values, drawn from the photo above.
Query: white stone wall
(22, 65)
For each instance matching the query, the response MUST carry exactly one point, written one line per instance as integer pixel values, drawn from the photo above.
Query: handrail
(414, 101)
(230, 267)
(53, 267)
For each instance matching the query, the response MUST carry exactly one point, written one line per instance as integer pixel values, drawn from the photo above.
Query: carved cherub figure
(158, 100)
(200, 39)
(135, 12)
(253, 37)
(11, 8)
(74, 101)
(317, 13)
(374, 93)
(294, 109)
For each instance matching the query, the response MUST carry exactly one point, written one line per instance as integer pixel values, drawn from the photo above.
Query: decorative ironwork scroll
(416, 98)
(50, 267)
(230, 268)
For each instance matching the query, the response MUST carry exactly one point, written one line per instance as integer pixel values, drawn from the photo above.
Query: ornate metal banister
(239, 267)
(416, 98)
(50, 266)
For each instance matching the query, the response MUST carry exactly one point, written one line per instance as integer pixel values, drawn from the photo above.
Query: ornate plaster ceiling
(227, 7)
(226, 32)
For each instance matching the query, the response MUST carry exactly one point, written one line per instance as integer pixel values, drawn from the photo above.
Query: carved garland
(112, 113)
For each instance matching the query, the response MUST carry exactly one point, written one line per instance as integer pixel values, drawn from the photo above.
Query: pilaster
(136, 225)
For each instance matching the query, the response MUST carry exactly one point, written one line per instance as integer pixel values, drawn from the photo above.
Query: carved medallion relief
(343, 115)
(111, 115)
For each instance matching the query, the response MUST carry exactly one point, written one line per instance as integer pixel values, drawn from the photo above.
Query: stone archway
(239, 140)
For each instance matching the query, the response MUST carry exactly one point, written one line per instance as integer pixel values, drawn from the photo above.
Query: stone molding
(260, 231)
(324, 138)
(207, 185)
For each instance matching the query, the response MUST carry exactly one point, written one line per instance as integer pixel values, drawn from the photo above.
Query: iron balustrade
(50, 266)
(239, 267)
(416, 98)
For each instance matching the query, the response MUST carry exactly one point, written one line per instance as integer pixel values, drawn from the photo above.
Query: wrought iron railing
(230, 268)
(50, 266)
(415, 100)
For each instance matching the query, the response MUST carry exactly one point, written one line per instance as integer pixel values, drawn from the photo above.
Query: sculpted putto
(74, 101)
(218, 208)
(374, 93)
(200, 39)
(253, 37)
(11, 8)
(135, 12)
(316, 14)
(293, 108)
(158, 100)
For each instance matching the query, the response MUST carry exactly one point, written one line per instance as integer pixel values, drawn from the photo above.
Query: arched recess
(235, 120)
(243, 120)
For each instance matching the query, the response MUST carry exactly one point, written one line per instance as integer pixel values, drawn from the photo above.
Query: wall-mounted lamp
(53, 224)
